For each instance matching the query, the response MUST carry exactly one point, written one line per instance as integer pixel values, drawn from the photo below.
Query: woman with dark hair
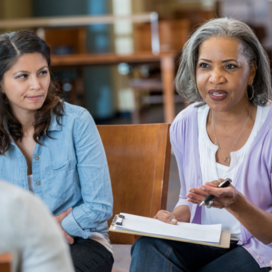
(53, 149)
(225, 133)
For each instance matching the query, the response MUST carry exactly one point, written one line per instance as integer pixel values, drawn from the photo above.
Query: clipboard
(118, 220)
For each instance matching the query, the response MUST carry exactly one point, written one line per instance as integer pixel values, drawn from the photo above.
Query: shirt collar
(54, 125)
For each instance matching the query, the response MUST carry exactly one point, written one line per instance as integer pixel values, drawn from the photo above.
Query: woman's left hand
(223, 197)
(59, 219)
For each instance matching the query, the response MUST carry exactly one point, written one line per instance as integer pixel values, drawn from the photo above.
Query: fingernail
(173, 220)
(189, 196)
(203, 188)
(192, 191)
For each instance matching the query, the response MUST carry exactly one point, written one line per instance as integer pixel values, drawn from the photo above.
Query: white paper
(187, 231)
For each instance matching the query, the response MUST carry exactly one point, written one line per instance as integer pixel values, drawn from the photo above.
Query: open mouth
(217, 95)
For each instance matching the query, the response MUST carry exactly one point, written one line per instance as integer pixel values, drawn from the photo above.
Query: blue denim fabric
(69, 170)
(153, 255)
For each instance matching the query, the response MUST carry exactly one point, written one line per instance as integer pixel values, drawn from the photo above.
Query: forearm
(79, 222)
(254, 219)
(182, 213)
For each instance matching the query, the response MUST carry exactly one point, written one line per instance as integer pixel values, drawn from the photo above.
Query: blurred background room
(118, 58)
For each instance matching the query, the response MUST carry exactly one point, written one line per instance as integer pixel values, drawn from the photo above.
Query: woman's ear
(253, 70)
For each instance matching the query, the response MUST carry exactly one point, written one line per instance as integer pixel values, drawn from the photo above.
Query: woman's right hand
(59, 218)
(166, 217)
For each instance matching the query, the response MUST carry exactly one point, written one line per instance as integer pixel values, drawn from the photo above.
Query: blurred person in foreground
(53, 149)
(225, 133)
(30, 234)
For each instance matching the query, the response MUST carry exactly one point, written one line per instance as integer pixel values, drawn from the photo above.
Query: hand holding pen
(215, 196)
(209, 199)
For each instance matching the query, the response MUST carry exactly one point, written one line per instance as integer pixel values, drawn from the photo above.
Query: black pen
(225, 183)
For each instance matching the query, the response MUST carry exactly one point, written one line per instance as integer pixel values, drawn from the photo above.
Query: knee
(144, 245)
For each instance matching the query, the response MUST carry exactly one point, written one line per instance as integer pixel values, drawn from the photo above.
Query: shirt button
(37, 158)
(257, 257)
(261, 261)
(38, 182)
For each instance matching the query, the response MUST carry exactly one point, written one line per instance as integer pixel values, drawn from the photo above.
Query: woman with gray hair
(225, 133)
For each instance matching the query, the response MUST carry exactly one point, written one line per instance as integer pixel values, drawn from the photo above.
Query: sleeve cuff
(182, 202)
(70, 225)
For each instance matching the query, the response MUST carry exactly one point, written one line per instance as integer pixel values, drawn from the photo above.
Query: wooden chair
(5, 262)
(139, 161)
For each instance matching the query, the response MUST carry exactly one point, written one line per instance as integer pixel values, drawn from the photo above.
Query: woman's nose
(216, 77)
(34, 83)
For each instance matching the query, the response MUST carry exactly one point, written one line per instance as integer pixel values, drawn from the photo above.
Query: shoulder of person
(186, 115)
(30, 227)
(74, 110)
(77, 115)
(25, 207)
(72, 115)
(79, 119)
(17, 202)
(267, 121)
(14, 196)
(267, 132)
(184, 127)
(11, 193)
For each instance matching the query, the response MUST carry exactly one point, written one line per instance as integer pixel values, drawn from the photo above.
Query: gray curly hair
(252, 49)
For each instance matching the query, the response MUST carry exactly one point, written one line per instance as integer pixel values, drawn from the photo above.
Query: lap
(237, 259)
(89, 255)
(178, 256)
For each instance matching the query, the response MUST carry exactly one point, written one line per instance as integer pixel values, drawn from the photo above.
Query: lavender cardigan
(253, 176)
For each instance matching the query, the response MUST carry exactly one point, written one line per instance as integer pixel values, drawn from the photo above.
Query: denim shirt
(69, 170)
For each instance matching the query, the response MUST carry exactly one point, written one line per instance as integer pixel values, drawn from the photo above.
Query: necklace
(227, 158)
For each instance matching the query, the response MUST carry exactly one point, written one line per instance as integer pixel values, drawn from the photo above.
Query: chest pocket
(62, 179)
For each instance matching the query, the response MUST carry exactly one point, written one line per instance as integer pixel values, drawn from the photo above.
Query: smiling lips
(36, 97)
(217, 95)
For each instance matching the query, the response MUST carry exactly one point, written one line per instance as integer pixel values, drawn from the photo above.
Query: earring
(252, 92)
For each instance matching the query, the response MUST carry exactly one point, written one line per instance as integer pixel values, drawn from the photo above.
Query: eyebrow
(223, 61)
(23, 71)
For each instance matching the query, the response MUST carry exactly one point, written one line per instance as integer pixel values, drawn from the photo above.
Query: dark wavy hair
(12, 46)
